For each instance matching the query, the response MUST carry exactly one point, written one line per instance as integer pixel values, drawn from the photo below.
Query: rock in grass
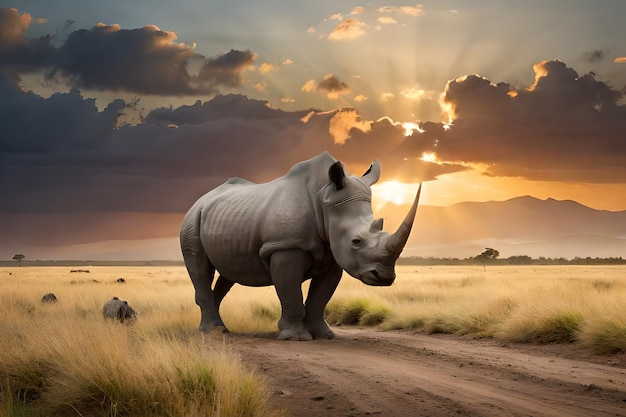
(49, 298)
(116, 309)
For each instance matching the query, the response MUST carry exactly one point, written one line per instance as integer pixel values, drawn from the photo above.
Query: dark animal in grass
(49, 298)
(120, 280)
(116, 309)
(313, 223)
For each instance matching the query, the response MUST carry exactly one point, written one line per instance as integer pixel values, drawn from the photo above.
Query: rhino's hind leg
(222, 286)
(320, 291)
(202, 273)
(288, 268)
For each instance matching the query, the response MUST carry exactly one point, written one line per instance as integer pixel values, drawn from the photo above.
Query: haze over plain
(117, 112)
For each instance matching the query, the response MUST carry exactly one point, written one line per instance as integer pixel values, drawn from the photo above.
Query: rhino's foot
(213, 328)
(320, 331)
(294, 334)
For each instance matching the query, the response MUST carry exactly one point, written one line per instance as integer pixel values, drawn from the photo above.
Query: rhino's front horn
(395, 243)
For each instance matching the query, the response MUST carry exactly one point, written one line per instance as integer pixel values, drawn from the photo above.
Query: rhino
(313, 223)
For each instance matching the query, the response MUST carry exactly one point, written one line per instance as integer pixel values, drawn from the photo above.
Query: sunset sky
(115, 116)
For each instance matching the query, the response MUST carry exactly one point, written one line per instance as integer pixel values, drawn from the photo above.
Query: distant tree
(488, 255)
(19, 258)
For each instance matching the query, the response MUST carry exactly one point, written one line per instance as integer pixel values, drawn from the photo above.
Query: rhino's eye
(356, 242)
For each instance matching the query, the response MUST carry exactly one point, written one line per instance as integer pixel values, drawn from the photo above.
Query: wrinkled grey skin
(116, 309)
(312, 223)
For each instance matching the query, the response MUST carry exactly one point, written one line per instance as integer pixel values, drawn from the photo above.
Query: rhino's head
(357, 241)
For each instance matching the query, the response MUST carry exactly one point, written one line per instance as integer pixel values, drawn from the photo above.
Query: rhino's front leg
(322, 288)
(288, 268)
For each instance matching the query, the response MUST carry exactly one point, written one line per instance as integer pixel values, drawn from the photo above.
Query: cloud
(333, 87)
(387, 20)
(564, 127)
(64, 155)
(147, 60)
(225, 70)
(350, 29)
(330, 85)
(15, 49)
(405, 10)
(343, 122)
(266, 67)
(416, 93)
(357, 10)
(620, 59)
(309, 86)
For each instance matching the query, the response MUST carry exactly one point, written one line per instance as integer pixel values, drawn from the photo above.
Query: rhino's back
(242, 224)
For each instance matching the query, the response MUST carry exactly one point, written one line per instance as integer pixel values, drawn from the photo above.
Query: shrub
(361, 311)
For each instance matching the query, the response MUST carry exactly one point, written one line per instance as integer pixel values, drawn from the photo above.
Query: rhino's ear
(372, 174)
(336, 174)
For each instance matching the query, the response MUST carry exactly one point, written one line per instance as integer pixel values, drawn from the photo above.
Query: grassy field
(64, 359)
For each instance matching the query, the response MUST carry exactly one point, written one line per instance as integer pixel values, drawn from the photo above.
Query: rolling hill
(519, 226)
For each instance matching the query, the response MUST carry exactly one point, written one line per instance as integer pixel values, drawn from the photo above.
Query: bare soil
(364, 372)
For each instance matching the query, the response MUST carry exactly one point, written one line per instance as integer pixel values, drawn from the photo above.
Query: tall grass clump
(356, 311)
(604, 331)
(66, 360)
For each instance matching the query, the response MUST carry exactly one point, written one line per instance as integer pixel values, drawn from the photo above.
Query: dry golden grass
(535, 304)
(65, 359)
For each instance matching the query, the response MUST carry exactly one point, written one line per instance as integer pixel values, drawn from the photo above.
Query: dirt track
(364, 372)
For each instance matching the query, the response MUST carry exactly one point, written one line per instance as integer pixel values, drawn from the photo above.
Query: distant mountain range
(519, 226)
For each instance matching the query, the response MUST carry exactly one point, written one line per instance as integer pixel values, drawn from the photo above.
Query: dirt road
(364, 372)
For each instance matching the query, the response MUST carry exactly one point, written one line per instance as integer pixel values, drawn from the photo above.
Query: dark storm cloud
(61, 154)
(147, 60)
(564, 127)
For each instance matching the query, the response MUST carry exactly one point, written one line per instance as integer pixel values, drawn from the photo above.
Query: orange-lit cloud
(387, 20)
(406, 10)
(416, 93)
(350, 29)
(357, 10)
(514, 134)
(343, 122)
(309, 86)
(620, 59)
(266, 67)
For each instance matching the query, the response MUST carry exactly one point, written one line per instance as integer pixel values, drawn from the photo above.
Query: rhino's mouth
(373, 277)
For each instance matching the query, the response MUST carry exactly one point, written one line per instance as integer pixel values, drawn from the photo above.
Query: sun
(394, 192)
